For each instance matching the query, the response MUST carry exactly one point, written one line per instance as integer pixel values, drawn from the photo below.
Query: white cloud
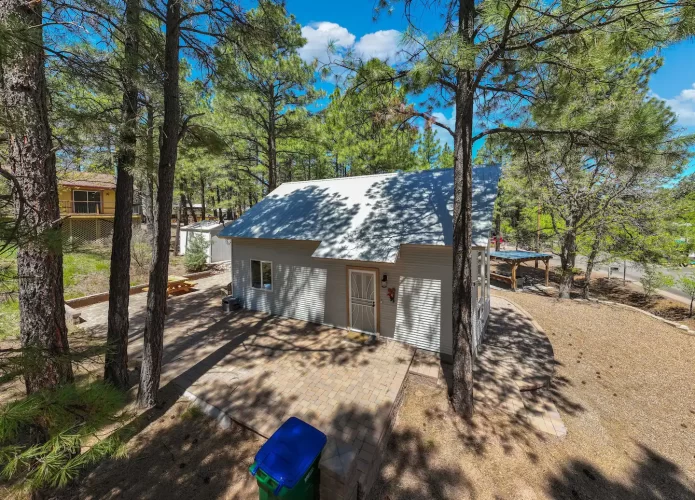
(443, 135)
(319, 36)
(380, 44)
(684, 106)
(383, 44)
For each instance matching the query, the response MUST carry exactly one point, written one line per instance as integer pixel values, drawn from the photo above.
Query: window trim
(272, 277)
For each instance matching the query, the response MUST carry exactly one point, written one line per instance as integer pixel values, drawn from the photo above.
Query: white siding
(418, 314)
(316, 289)
(220, 249)
(299, 281)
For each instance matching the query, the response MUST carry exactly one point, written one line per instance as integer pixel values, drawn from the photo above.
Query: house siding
(315, 290)
(108, 199)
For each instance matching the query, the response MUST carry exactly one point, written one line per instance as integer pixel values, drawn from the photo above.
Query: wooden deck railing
(92, 208)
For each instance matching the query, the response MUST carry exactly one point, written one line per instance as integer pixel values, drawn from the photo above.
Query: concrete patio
(258, 370)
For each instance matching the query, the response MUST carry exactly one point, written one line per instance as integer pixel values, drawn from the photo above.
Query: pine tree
(264, 91)
(24, 98)
(489, 62)
(429, 150)
(116, 359)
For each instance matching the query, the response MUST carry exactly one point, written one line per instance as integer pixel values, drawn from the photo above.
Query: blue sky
(351, 25)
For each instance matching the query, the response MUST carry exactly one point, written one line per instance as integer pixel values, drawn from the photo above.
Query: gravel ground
(625, 387)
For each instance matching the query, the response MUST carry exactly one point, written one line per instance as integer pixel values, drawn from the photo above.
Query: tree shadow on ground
(173, 452)
(234, 362)
(515, 356)
(654, 477)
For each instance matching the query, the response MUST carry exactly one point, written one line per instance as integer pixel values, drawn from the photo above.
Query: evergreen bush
(196, 258)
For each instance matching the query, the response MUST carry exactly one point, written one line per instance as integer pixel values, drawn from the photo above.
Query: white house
(370, 253)
(218, 249)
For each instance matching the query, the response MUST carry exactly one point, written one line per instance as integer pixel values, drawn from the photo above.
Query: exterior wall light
(384, 281)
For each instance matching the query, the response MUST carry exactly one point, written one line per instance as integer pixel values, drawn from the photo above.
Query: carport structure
(515, 258)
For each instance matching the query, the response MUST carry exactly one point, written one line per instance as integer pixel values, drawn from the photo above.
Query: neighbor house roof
(87, 180)
(205, 225)
(368, 218)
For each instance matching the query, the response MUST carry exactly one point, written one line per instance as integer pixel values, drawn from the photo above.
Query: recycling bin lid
(290, 451)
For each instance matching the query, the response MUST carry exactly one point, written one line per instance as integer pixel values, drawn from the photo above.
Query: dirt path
(625, 387)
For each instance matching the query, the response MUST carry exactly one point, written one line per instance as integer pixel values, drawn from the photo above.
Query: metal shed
(219, 249)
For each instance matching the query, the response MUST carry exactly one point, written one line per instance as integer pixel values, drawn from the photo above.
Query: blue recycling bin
(287, 465)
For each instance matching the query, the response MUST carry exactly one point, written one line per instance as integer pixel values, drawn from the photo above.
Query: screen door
(363, 301)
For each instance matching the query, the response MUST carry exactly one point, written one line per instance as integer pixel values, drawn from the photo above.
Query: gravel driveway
(625, 387)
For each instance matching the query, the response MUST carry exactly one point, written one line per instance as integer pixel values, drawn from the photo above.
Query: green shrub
(196, 257)
(653, 279)
(687, 285)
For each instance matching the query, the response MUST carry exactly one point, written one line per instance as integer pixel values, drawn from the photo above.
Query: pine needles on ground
(73, 418)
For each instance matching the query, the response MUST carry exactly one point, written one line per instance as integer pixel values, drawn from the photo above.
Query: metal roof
(367, 218)
(205, 225)
(519, 255)
(87, 179)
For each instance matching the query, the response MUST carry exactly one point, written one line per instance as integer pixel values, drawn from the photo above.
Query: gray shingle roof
(367, 218)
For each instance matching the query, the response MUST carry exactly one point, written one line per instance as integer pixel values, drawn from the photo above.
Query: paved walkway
(514, 366)
(95, 315)
(259, 369)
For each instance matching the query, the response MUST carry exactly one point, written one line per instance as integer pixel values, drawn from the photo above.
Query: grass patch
(85, 272)
(192, 412)
(9, 319)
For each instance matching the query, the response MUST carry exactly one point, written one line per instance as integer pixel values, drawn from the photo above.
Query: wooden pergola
(516, 257)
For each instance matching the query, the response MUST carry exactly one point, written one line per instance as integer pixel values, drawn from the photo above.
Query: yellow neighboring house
(87, 206)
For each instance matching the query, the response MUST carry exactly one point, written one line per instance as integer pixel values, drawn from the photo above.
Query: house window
(262, 274)
(86, 202)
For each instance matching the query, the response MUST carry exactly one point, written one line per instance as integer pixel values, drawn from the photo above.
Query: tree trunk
(462, 394)
(183, 204)
(150, 208)
(595, 247)
(177, 239)
(32, 160)
(157, 294)
(192, 210)
(568, 254)
(498, 232)
(272, 150)
(202, 197)
(116, 358)
(190, 206)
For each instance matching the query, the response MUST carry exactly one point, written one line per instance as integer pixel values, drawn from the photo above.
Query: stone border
(222, 419)
(684, 329)
(88, 300)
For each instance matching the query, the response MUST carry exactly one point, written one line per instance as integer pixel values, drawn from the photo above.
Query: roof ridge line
(387, 174)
